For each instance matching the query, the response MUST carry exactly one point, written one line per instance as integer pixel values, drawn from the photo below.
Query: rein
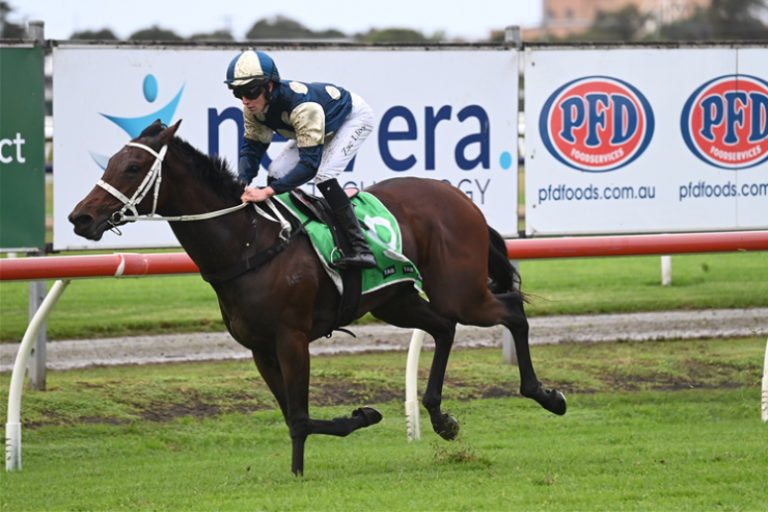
(154, 178)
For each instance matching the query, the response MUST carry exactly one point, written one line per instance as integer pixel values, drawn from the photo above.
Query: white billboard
(446, 112)
(645, 140)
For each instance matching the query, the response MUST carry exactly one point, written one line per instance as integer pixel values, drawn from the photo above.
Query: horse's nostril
(81, 221)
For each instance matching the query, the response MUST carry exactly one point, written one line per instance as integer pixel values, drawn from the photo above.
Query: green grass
(611, 285)
(118, 307)
(650, 426)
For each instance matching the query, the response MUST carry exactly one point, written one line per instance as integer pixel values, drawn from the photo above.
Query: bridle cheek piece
(153, 177)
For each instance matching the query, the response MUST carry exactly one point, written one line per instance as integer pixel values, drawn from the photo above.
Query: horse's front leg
(293, 356)
(269, 368)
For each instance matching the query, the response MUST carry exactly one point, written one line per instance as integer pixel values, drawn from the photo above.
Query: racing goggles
(250, 92)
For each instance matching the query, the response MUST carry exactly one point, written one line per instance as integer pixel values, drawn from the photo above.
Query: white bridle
(155, 177)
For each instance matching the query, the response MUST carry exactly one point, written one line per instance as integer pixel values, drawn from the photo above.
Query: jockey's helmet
(252, 68)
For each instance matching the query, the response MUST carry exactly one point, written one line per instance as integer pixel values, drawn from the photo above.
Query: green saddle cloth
(383, 234)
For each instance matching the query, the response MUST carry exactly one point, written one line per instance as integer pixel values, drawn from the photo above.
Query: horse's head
(129, 187)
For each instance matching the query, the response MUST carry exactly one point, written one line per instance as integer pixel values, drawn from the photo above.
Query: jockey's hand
(257, 195)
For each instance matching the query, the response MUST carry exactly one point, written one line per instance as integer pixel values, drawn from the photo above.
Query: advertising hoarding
(22, 139)
(645, 140)
(447, 113)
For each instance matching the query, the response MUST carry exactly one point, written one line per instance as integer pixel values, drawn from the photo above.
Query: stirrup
(361, 260)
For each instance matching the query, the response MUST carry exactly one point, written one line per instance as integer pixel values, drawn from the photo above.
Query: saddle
(318, 209)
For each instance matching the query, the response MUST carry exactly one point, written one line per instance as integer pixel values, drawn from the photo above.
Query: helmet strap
(268, 91)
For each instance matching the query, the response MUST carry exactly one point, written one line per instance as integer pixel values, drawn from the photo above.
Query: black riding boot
(361, 255)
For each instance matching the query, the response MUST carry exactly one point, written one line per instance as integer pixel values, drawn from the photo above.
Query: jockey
(325, 125)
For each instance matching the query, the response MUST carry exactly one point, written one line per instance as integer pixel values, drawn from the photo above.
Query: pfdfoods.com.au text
(702, 189)
(690, 190)
(593, 193)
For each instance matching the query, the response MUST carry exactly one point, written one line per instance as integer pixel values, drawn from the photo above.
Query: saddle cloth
(382, 233)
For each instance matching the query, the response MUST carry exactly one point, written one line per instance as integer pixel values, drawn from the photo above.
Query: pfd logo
(596, 124)
(725, 122)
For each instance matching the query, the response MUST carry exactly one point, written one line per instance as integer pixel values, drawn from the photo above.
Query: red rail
(137, 265)
(638, 245)
(107, 265)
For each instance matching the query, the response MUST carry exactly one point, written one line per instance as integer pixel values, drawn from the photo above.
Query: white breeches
(339, 148)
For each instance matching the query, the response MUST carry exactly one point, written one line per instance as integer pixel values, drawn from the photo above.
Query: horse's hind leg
(410, 311)
(517, 323)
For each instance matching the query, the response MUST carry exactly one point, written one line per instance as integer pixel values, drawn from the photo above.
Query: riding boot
(360, 255)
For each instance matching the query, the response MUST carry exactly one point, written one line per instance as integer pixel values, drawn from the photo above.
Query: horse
(277, 309)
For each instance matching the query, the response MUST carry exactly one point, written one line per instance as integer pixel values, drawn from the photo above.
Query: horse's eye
(134, 169)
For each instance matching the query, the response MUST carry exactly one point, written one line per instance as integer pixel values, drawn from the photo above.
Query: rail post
(412, 419)
(764, 402)
(37, 289)
(13, 425)
(37, 360)
(666, 271)
(512, 35)
(37, 31)
(508, 352)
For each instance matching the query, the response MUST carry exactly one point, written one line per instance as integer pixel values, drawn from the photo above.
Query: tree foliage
(155, 33)
(397, 35)
(8, 29)
(216, 35)
(104, 34)
(281, 27)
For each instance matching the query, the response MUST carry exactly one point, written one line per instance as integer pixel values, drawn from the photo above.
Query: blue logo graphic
(133, 126)
(150, 88)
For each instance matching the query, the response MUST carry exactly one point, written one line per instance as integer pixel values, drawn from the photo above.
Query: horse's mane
(213, 171)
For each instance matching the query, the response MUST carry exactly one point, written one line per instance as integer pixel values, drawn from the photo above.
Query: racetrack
(669, 325)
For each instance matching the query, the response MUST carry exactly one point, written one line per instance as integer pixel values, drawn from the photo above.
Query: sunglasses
(250, 93)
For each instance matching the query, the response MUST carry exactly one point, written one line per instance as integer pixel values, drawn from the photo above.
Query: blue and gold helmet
(251, 68)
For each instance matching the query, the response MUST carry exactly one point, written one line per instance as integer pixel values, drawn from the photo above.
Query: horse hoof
(556, 402)
(449, 429)
(371, 415)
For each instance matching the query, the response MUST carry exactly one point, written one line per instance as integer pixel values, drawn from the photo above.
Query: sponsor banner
(22, 155)
(432, 121)
(644, 140)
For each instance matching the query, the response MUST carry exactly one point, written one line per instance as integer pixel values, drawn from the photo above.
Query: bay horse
(279, 308)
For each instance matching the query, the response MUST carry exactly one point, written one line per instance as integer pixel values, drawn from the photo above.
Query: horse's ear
(167, 134)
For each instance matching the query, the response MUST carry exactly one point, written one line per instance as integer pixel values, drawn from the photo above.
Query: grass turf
(650, 426)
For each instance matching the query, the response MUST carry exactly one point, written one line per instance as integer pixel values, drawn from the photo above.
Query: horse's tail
(500, 270)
